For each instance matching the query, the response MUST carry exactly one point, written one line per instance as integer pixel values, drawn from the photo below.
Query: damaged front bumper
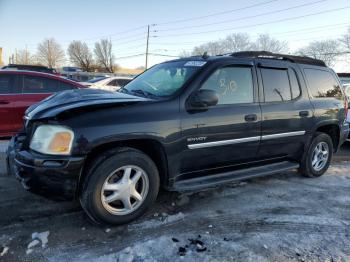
(52, 176)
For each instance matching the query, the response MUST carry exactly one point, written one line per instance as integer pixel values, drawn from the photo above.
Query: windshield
(164, 79)
(94, 80)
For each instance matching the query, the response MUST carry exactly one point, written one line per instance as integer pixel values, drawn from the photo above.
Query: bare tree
(104, 56)
(236, 43)
(232, 43)
(345, 40)
(24, 57)
(240, 42)
(326, 50)
(50, 53)
(80, 55)
(212, 48)
(265, 42)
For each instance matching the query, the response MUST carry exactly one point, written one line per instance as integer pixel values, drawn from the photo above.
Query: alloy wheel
(320, 156)
(125, 190)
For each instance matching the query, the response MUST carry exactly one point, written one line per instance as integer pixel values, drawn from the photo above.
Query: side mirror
(203, 99)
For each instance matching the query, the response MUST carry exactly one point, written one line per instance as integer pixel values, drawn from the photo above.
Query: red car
(21, 89)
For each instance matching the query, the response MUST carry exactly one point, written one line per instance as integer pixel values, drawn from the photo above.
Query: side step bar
(226, 177)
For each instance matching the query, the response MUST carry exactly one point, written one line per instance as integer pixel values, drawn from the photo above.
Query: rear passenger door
(286, 109)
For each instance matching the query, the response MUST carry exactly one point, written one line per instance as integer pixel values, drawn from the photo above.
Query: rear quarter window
(322, 84)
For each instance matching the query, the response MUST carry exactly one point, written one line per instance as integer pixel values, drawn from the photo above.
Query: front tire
(119, 186)
(318, 157)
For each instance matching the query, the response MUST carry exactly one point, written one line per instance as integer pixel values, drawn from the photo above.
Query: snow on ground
(284, 217)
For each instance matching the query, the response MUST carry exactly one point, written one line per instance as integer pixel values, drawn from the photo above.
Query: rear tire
(318, 156)
(119, 187)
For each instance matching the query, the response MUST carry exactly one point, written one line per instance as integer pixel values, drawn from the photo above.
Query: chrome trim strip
(224, 142)
(244, 140)
(274, 136)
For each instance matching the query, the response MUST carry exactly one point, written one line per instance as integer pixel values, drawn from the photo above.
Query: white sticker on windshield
(195, 63)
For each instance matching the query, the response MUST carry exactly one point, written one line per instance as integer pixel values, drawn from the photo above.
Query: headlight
(52, 140)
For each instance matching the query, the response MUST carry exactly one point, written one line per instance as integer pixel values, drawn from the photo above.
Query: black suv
(182, 125)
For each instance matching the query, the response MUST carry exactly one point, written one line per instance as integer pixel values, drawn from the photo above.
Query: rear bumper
(52, 176)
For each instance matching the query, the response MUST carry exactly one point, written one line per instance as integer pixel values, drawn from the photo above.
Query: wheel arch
(149, 146)
(331, 128)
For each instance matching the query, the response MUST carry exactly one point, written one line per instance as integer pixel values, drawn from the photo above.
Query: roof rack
(270, 55)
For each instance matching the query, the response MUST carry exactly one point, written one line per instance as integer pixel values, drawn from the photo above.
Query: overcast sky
(180, 25)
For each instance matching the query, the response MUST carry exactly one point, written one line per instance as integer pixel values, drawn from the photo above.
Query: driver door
(228, 133)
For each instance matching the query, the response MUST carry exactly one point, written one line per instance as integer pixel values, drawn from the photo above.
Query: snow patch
(38, 238)
(32, 244)
(43, 237)
(152, 223)
(4, 251)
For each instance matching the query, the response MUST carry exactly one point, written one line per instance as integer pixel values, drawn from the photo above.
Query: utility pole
(147, 47)
(16, 55)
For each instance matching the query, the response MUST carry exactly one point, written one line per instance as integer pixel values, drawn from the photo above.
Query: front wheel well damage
(150, 147)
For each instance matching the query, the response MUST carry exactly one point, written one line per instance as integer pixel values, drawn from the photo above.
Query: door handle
(250, 118)
(304, 113)
(4, 102)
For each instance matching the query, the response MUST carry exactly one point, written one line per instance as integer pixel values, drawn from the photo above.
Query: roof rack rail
(292, 58)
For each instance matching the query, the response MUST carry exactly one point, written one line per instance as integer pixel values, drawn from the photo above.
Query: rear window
(322, 84)
(123, 82)
(6, 84)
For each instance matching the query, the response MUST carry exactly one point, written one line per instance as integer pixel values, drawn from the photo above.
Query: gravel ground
(279, 218)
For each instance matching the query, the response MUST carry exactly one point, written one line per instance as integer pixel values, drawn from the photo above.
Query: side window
(65, 86)
(36, 84)
(7, 84)
(112, 83)
(123, 82)
(276, 85)
(233, 85)
(322, 84)
(294, 83)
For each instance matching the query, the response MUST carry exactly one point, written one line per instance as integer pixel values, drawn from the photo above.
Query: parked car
(70, 69)
(347, 93)
(344, 78)
(36, 68)
(182, 125)
(108, 83)
(19, 90)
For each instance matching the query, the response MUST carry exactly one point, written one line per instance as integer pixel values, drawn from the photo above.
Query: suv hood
(78, 98)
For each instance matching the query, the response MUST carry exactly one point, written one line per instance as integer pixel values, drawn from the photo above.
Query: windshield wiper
(124, 90)
(144, 93)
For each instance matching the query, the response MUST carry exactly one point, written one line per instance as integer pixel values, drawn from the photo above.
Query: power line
(259, 24)
(323, 28)
(155, 54)
(129, 56)
(241, 18)
(216, 14)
